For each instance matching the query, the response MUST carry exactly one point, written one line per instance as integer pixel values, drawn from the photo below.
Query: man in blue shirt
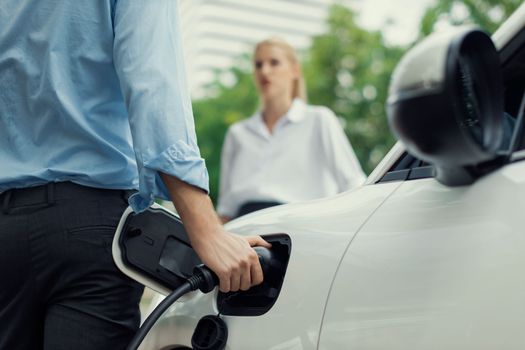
(93, 103)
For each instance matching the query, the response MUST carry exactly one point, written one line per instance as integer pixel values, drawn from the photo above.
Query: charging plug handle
(206, 280)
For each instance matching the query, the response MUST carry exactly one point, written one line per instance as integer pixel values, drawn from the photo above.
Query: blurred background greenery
(347, 69)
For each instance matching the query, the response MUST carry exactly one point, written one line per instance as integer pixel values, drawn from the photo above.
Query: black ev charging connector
(203, 279)
(152, 247)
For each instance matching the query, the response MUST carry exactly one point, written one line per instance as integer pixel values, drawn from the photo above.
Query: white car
(430, 252)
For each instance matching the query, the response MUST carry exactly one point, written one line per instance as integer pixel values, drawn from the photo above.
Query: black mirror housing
(446, 103)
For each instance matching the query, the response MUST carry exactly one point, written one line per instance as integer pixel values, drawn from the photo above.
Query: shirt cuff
(179, 160)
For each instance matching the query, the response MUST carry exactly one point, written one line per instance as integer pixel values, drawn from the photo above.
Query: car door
(439, 267)
(435, 267)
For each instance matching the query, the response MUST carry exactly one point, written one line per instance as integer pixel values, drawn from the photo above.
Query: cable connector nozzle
(203, 279)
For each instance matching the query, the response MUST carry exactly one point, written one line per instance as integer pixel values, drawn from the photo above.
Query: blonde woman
(288, 151)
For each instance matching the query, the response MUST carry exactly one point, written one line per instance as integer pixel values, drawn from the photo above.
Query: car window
(408, 167)
(513, 65)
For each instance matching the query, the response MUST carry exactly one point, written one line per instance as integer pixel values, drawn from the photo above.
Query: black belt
(48, 194)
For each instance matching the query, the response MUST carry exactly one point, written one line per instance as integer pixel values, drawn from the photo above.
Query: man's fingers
(243, 276)
(246, 281)
(257, 241)
(240, 270)
(256, 273)
(224, 282)
(235, 279)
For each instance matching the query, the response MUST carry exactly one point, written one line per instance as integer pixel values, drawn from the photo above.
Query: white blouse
(307, 156)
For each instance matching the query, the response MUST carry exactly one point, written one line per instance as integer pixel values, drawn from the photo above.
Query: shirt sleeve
(225, 205)
(148, 58)
(340, 155)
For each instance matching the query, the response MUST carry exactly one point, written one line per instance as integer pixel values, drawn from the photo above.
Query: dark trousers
(59, 286)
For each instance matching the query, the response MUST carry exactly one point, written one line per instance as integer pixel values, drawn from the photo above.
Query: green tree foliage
(347, 69)
(487, 14)
(213, 115)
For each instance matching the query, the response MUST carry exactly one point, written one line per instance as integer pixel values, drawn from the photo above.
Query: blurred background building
(216, 32)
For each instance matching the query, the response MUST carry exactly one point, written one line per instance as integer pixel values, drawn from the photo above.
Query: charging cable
(203, 279)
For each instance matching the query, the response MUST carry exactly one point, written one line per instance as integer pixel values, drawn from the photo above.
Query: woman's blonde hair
(299, 86)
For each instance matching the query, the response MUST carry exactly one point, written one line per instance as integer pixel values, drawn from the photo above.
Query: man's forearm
(230, 256)
(194, 207)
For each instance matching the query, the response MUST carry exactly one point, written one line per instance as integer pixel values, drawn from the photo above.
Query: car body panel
(435, 268)
(321, 231)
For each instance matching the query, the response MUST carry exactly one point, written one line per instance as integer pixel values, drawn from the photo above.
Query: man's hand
(229, 256)
(233, 260)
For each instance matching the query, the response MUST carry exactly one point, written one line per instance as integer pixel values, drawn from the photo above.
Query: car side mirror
(446, 103)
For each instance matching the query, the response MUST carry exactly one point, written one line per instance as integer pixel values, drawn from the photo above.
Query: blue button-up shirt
(94, 92)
